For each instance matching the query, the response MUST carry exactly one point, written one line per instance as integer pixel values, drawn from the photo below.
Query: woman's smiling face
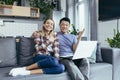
(48, 25)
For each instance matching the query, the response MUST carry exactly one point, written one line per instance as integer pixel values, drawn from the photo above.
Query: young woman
(46, 56)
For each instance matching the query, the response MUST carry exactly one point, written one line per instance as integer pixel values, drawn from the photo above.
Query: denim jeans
(49, 64)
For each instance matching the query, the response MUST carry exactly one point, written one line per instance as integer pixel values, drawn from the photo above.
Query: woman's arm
(56, 46)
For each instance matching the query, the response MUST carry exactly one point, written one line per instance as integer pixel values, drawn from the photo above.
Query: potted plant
(115, 41)
(73, 31)
(45, 6)
(7, 2)
(2, 2)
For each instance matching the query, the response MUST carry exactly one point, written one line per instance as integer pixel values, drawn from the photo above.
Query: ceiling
(109, 9)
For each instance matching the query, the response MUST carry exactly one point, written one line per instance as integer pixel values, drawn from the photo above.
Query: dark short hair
(65, 19)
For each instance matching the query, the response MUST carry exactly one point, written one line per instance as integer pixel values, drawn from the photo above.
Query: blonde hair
(44, 31)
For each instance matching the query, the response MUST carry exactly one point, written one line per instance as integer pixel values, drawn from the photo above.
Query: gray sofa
(18, 52)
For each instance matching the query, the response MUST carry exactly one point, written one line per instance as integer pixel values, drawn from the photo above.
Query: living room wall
(62, 5)
(105, 30)
(57, 14)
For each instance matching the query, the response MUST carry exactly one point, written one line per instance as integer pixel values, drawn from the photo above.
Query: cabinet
(19, 11)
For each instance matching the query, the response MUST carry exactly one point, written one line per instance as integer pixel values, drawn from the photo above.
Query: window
(81, 17)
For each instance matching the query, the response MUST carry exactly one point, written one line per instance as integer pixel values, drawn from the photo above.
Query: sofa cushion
(4, 74)
(101, 71)
(25, 51)
(98, 53)
(92, 59)
(7, 52)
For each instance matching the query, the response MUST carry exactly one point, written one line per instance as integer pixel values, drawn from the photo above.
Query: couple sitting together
(54, 51)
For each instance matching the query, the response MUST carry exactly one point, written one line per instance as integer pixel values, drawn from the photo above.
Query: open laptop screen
(85, 49)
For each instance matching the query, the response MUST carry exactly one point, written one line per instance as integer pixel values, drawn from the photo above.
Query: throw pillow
(25, 51)
(7, 52)
(92, 59)
(98, 53)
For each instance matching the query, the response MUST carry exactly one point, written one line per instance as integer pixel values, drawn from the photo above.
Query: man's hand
(79, 37)
(80, 34)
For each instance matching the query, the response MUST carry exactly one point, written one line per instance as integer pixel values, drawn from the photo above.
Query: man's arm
(79, 37)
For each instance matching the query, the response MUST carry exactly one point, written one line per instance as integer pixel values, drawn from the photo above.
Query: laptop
(85, 49)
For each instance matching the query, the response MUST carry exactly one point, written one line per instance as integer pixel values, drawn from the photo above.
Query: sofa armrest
(112, 55)
(116, 64)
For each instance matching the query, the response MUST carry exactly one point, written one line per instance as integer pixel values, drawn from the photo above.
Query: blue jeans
(49, 64)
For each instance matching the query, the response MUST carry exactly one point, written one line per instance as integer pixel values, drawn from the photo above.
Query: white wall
(17, 29)
(105, 30)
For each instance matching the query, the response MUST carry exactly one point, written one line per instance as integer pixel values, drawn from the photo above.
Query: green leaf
(115, 41)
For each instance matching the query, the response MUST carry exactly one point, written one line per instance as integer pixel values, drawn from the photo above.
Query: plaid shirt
(44, 42)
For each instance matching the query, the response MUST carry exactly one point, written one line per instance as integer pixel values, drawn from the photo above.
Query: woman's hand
(57, 56)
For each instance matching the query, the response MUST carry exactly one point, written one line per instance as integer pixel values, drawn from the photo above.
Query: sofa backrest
(25, 50)
(19, 51)
(7, 52)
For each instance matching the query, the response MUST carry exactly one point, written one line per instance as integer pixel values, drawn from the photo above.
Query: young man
(77, 69)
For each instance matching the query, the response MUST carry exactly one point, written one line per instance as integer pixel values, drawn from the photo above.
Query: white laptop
(85, 49)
